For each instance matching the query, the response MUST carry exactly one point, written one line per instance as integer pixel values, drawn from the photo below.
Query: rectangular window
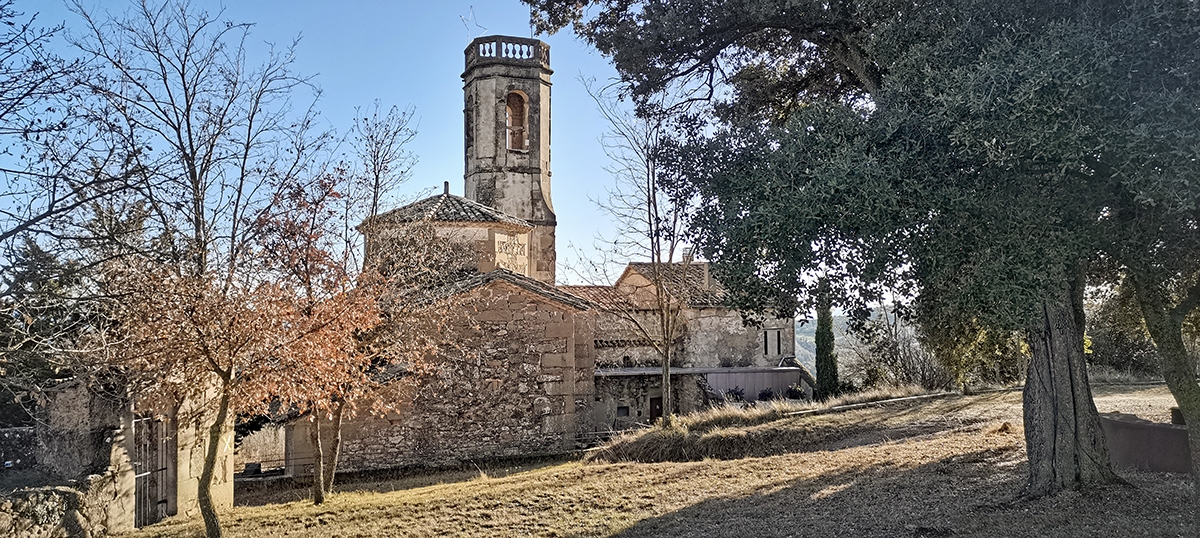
(766, 350)
(623, 411)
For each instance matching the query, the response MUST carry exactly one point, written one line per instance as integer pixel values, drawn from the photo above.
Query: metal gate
(150, 462)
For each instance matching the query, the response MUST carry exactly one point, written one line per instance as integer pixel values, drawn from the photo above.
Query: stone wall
(17, 448)
(266, 447)
(635, 392)
(94, 509)
(717, 337)
(710, 337)
(77, 428)
(82, 438)
(517, 382)
(513, 180)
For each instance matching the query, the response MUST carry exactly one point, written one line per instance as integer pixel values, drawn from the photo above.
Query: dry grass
(945, 467)
(1104, 375)
(748, 415)
(735, 431)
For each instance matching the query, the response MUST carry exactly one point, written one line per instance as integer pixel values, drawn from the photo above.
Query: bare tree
(208, 139)
(379, 140)
(363, 324)
(36, 88)
(650, 227)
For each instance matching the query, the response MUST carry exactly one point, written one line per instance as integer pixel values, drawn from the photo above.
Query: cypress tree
(827, 375)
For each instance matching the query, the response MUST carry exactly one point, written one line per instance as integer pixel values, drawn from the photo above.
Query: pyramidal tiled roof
(447, 207)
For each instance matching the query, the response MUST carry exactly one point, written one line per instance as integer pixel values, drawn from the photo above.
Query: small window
(767, 334)
(623, 411)
(516, 120)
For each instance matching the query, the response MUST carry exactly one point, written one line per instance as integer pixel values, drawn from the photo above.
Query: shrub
(766, 394)
(735, 394)
(890, 354)
(1117, 334)
(795, 391)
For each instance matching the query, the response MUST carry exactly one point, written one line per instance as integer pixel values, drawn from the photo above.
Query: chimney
(446, 184)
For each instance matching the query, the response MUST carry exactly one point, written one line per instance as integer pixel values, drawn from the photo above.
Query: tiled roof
(528, 283)
(450, 208)
(601, 295)
(688, 279)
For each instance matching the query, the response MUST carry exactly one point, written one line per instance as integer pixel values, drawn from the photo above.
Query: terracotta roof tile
(601, 295)
(691, 279)
(450, 208)
(528, 283)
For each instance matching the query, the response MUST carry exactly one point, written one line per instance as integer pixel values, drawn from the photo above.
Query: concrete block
(556, 360)
(1134, 443)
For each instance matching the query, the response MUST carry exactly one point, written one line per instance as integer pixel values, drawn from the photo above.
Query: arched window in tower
(517, 119)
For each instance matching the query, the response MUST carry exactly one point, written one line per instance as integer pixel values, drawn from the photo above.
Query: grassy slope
(949, 467)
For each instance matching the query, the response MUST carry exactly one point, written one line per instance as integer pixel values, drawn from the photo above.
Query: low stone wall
(266, 447)
(17, 448)
(1135, 443)
(634, 394)
(60, 511)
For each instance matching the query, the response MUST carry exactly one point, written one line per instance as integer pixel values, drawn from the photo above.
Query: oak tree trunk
(208, 509)
(1164, 322)
(1063, 438)
(335, 446)
(318, 486)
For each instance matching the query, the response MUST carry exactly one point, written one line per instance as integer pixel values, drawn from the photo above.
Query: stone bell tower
(507, 129)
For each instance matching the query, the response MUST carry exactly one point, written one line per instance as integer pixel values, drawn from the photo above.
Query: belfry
(506, 87)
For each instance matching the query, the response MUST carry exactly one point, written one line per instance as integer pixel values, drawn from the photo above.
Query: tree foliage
(987, 157)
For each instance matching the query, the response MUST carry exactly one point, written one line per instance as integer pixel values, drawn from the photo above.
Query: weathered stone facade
(709, 337)
(712, 348)
(89, 436)
(506, 87)
(624, 401)
(81, 438)
(520, 377)
(516, 382)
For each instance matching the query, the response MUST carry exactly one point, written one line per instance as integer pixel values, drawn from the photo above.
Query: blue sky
(411, 53)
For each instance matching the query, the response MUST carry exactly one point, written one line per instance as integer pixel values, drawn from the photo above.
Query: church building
(541, 368)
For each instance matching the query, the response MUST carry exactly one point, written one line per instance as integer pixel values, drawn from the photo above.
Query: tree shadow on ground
(970, 494)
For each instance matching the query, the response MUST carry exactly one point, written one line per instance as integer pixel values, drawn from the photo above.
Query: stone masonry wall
(710, 337)
(518, 382)
(60, 511)
(634, 392)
